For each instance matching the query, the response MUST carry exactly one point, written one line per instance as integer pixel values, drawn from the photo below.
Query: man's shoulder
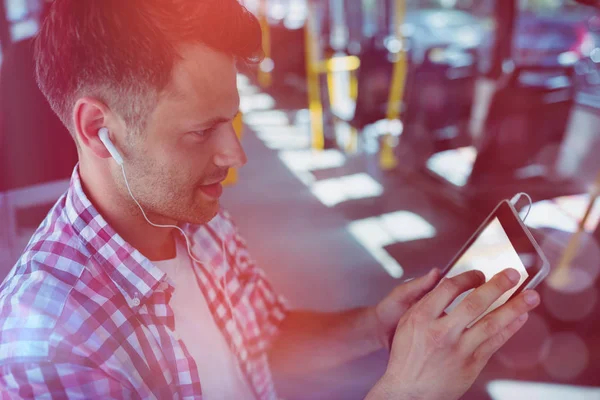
(32, 299)
(44, 285)
(55, 251)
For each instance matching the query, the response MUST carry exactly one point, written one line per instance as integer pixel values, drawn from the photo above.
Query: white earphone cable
(187, 240)
(516, 199)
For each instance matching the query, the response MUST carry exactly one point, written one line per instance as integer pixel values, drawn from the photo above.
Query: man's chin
(204, 214)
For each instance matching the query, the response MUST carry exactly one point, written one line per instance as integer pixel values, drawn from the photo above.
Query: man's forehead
(202, 73)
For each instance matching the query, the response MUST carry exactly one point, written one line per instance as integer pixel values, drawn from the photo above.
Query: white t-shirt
(219, 370)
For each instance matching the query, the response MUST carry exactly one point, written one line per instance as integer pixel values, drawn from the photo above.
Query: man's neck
(123, 215)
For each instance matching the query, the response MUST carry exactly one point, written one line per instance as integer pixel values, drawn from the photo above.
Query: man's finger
(477, 302)
(412, 291)
(434, 304)
(498, 320)
(491, 346)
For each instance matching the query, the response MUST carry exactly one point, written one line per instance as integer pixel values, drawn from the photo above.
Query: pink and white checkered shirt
(85, 315)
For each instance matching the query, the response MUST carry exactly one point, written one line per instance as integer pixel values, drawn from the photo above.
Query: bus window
(23, 17)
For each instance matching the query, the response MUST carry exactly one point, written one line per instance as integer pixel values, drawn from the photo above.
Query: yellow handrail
(560, 276)
(315, 67)
(338, 64)
(387, 158)
(315, 106)
(238, 126)
(264, 77)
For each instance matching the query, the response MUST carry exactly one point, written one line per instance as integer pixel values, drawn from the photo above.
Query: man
(108, 300)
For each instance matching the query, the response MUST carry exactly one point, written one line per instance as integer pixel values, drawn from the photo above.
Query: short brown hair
(123, 52)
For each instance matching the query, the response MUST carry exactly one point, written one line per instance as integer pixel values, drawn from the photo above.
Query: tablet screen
(491, 252)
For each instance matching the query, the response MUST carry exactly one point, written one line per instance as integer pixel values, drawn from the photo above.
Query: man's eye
(205, 133)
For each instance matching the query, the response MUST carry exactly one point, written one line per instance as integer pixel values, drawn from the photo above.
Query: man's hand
(434, 356)
(389, 311)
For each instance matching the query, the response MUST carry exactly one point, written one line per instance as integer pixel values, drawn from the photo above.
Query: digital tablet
(501, 242)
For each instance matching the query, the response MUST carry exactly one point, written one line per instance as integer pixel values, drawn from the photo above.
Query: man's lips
(213, 190)
(216, 181)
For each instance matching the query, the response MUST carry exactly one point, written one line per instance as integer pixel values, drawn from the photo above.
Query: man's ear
(89, 116)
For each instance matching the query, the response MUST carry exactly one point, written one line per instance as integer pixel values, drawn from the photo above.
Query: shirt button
(163, 286)
(136, 302)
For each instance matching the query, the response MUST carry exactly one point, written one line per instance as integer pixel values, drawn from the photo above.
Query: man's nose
(230, 153)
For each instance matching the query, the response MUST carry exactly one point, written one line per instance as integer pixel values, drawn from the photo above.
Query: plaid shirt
(85, 315)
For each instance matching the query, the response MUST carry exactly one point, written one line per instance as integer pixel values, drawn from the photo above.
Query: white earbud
(103, 134)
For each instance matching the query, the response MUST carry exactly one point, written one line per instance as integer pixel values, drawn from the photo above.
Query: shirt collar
(136, 276)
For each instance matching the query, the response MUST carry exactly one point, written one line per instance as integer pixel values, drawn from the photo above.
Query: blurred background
(380, 133)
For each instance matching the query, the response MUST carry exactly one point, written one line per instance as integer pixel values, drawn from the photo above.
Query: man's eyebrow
(219, 120)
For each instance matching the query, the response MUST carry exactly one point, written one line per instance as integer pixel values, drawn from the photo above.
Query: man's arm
(310, 341)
